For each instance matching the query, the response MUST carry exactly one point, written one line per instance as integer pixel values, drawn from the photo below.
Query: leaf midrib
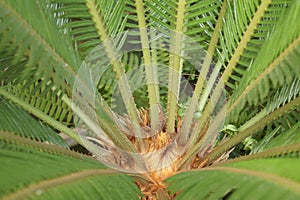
(54, 182)
(272, 178)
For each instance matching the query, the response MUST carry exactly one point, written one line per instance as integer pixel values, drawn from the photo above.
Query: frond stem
(175, 67)
(41, 146)
(123, 84)
(185, 129)
(150, 68)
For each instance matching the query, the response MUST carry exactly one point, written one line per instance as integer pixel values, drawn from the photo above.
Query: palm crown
(163, 92)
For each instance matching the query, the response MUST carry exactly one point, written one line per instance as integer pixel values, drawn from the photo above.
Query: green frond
(19, 122)
(273, 129)
(201, 19)
(77, 21)
(285, 94)
(281, 63)
(166, 16)
(107, 83)
(130, 9)
(236, 21)
(281, 151)
(285, 122)
(103, 125)
(258, 38)
(203, 88)
(250, 127)
(276, 98)
(44, 98)
(79, 24)
(27, 172)
(128, 79)
(162, 14)
(113, 55)
(277, 138)
(150, 67)
(40, 48)
(255, 179)
(39, 114)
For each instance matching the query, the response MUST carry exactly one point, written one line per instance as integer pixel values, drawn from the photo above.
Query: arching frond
(252, 127)
(27, 171)
(261, 33)
(261, 178)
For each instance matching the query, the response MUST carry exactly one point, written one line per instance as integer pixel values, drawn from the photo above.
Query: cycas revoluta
(165, 93)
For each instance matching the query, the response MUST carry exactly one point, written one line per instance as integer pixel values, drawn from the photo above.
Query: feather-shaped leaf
(78, 21)
(37, 43)
(291, 136)
(256, 179)
(44, 98)
(27, 172)
(19, 122)
(281, 63)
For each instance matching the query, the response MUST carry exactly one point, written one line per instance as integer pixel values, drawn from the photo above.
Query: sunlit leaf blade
(95, 187)
(256, 179)
(27, 172)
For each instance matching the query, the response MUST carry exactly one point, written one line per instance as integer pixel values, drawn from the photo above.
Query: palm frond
(259, 36)
(240, 16)
(39, 48)
(107, 84)
(41, 115)
(275, 99)
(19, 122)
(150, 69)
(112, 54)
(273, 139)
(285, 94)
(201, 19)
(261, 178)
(257, 83)
(162, 14)
(252, 127)
(27, 172)
(45, 98)
(78, 22)
(142, 59)
(204, 86)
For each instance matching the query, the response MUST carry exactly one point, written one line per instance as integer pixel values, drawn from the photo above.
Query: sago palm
(173, 99)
